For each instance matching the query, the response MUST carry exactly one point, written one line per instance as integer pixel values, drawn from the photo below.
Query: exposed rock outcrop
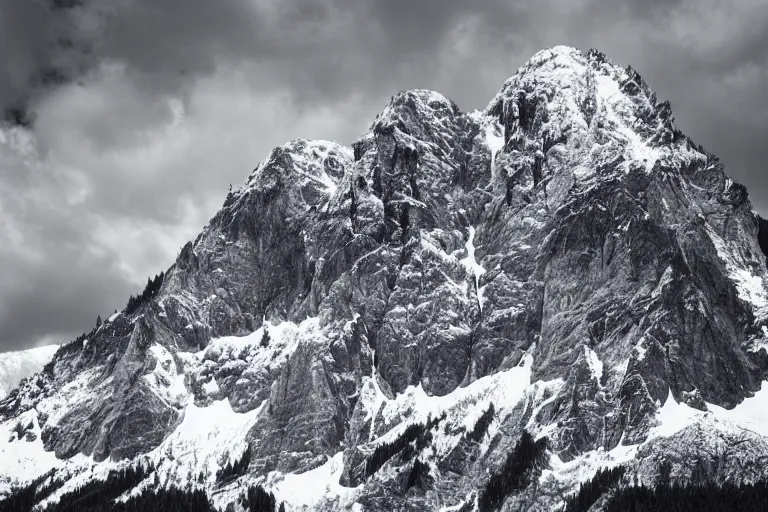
(566, 254)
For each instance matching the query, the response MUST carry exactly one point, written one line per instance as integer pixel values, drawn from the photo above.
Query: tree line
(413, 439)
(665, 496)
(709, 497)
(591, 491)
(482, 424)
(521, 464)
(232, 471)
(150, 290)
(97, 495)
(24, 498)
(100, 495)
(419, 476)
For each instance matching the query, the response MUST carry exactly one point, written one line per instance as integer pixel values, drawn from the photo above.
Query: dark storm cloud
(321, 49)
(147, 110)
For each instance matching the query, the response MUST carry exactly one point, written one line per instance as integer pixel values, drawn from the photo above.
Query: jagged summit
(591, 102)
(388, 319)
(318, 161)
(423, 97)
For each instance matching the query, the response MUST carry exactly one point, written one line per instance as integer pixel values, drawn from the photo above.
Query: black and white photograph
(383, 255)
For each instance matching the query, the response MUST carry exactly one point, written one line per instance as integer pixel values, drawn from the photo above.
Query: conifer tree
(265, 338)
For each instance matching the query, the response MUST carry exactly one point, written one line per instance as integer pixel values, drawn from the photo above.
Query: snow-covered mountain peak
(561, 67)
(302, 162)
(418, 99)
(414, 113)
(594, 116)
(15, 366)
(382, 327)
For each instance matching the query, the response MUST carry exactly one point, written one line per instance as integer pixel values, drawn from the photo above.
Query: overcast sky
(145, 111)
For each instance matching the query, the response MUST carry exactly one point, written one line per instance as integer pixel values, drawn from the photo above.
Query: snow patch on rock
(23, 458)
(473, 267)
(305, 490)
(751, 287)
(463, 406)
(594, 362)
(751, 414)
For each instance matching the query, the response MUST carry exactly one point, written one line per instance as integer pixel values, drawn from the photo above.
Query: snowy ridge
(208, 435)
(752, 288)
(463, 406)
(307, 490)
(672, 419)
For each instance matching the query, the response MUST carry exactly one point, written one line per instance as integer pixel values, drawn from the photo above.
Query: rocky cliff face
(566, 255)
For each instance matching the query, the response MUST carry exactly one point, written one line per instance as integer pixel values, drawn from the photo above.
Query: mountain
(15, 366)
(462, 311)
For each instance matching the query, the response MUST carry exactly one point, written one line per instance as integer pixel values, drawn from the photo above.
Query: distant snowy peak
(15, 366)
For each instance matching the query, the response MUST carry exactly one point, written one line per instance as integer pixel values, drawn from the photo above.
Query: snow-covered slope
(15, 366)
(565, 263)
